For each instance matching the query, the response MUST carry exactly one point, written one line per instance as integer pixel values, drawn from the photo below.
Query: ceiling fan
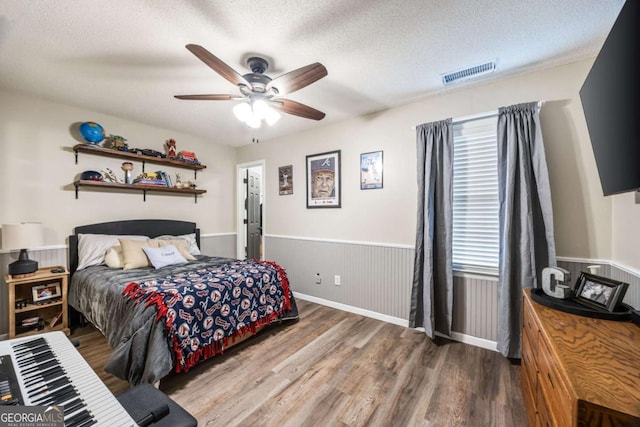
(259, 90)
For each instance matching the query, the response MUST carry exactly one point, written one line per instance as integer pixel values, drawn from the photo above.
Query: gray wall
(377, 278)
(374, 278)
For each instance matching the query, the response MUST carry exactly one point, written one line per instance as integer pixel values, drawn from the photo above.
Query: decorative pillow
(164, 255)
(93, 247)
(114, 257)
(134, 256)
(192, 245)
(181, 245)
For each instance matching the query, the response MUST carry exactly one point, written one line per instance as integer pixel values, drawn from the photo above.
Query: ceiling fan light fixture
(260, 108)
(242, 111)
(253, 122)
(272, 116)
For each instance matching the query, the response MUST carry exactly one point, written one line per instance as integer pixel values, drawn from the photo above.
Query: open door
(254, 214)
(250, 211)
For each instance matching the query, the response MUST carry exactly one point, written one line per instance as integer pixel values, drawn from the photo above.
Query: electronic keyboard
(47, 370)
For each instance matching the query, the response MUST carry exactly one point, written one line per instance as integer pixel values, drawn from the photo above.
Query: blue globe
(92, 132)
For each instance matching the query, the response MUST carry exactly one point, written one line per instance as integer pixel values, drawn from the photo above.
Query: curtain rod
(479, 116)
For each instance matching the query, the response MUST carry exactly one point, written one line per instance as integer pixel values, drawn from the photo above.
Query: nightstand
(42, 295)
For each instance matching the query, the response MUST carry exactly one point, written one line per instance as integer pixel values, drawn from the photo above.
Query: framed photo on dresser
(599, 292)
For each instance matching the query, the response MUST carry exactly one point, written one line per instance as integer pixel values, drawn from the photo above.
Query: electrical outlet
(336, 280)
(318, 279)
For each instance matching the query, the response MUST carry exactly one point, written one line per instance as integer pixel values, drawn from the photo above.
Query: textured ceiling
(127, 58)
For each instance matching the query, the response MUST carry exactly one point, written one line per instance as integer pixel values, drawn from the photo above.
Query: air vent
(468, 73)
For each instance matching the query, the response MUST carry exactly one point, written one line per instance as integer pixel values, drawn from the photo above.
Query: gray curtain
(432, 290)
(526, 218)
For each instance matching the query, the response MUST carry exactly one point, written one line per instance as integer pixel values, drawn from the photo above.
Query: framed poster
(323, 180)
(371, 169)
(285, 180)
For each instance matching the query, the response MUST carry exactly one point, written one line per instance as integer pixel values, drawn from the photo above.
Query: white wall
(37, 171)
(626, 231)
(582, 216)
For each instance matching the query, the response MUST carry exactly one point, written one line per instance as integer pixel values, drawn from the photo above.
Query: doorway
(250, 209)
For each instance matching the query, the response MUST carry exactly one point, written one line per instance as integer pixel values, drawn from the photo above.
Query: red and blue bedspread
(202, 309)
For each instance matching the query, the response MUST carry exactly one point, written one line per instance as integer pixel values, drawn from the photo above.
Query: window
(475, 195)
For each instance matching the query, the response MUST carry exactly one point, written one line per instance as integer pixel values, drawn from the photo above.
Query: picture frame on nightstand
(46, 292)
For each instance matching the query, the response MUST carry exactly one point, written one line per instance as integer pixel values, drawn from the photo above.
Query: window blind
(475, 195)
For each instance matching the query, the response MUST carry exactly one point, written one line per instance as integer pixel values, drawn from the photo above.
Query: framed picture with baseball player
(285, 180)
(323, 180)
(371, 170)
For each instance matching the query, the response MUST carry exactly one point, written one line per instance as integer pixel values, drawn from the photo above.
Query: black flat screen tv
(610, 100)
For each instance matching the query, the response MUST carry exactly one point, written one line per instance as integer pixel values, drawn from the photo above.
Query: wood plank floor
(334, 368)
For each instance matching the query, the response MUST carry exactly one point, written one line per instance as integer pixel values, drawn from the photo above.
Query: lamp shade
(22, 236)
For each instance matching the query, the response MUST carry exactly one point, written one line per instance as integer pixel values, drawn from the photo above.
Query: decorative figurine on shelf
(171, 149)
(178, 183)
(192, 184)
(109, 176)
(116, 142)
(127, 167)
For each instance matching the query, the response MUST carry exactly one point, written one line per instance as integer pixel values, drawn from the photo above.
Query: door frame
(241, 169)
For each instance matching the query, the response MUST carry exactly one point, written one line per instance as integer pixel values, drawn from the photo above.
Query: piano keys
(51, 372)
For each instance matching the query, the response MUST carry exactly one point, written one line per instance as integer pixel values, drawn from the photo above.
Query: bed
(163, 318)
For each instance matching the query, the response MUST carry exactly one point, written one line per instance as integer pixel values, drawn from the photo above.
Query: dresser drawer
(552, 386)
(543, 417)
(529, 324)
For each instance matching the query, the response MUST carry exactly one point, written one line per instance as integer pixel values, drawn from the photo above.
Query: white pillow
(92, 248)
(192, 245)
(180, 244)
(164, 255)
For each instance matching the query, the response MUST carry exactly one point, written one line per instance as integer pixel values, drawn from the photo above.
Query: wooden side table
(42, 295)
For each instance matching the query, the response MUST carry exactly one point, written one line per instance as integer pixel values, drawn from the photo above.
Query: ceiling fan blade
(297, 79)
(217, 65)
(297, 109)
(209, 97)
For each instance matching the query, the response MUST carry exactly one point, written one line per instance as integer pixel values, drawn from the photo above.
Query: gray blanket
(141, 351)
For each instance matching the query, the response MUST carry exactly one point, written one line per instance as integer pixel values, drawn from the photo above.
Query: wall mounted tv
(610, 100)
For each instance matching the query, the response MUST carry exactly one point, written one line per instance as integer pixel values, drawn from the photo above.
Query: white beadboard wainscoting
(222, 244)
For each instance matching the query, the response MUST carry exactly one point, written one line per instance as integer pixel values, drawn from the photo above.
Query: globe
(92, 132)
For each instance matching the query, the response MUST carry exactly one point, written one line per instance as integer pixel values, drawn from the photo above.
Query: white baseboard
(351, 309)
(456, 336)
(474, 341)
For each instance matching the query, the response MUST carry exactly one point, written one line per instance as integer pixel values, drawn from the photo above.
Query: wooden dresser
(579, 371)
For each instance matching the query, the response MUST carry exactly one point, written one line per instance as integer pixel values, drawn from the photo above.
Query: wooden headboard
(138, 227)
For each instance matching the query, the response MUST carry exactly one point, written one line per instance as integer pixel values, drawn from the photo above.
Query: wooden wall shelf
(137, 187)
(144, 189)
(109, 152)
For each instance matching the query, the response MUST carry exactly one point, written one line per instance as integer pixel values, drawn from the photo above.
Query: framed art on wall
(323, 180)
(371, 170)
(285, 180)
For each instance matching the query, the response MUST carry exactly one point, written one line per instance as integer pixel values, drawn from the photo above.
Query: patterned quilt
(202, 309)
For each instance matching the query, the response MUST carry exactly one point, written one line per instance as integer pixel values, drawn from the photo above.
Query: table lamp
(22, 236)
